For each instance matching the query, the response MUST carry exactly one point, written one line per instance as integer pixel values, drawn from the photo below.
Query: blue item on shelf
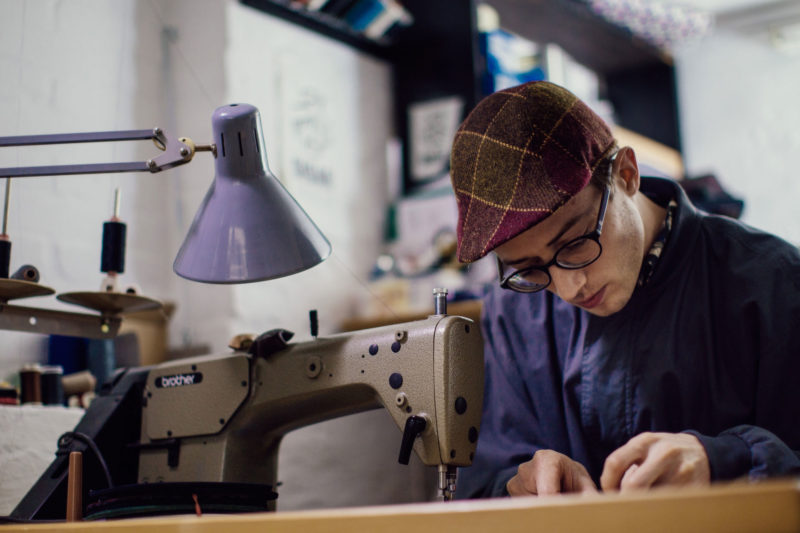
(67, 352)
(101, 359)
(363, 12)
(510, 60)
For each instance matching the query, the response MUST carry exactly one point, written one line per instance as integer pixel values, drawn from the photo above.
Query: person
(632, 340)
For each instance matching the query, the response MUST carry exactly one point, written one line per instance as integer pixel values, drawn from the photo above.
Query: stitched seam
(548, 135)
(501, 143)
(477, 158)
(500, 206)
(513, 192)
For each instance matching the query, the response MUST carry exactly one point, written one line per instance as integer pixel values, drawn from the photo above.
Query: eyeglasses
(575, 254)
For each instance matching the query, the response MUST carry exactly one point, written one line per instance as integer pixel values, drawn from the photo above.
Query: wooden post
(75, 488)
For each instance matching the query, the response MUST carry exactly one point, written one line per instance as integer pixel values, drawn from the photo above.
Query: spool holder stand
(174, 152)
(52, 322)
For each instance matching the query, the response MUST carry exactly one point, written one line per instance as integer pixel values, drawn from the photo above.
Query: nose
(567, 284)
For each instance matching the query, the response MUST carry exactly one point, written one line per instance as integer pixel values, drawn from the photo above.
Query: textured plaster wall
(739, 115)
(70, 67)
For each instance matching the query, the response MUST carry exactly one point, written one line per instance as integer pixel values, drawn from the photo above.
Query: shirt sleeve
(508, 435)
(767, 322)
(748, 450)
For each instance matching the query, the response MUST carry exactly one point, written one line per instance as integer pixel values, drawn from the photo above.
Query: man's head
(521, 163)
(520, 155)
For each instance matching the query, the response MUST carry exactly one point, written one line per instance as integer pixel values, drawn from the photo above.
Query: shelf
(637, 77)
(324, 24)
(601, 46)
(439, 56)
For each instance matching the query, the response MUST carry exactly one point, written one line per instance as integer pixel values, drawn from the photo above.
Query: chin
(620, 302)
(601, 311)
(613, 303)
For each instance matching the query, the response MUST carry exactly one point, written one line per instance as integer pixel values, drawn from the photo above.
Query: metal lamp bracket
(175, 152)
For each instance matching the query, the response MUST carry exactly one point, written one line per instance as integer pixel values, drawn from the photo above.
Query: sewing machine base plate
(153, 499)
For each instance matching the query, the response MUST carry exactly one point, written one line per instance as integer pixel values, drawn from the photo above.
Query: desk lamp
(248, 228)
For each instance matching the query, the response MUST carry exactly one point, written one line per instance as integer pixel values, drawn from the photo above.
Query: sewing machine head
(221, 418)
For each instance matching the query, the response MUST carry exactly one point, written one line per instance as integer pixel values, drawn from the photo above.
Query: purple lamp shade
(248, 228)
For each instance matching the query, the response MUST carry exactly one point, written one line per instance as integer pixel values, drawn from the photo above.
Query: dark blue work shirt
(711, 346)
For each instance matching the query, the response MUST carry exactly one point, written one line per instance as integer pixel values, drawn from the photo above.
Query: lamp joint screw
(151, 164)
(184, 152)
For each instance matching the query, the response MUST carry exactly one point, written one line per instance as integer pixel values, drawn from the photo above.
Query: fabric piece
(519, 156)
(709, 346)
(28, 443)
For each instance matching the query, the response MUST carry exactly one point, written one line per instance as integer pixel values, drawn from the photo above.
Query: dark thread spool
(113, 256)
(312, 317)
(31, 384)
(52, 388)
(5, 257)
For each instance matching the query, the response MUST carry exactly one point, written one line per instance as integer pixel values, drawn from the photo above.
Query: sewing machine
(219, 419)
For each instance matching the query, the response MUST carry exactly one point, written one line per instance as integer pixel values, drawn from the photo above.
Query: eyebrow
(565, 228)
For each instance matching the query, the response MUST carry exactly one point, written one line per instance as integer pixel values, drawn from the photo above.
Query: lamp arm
(175, 152)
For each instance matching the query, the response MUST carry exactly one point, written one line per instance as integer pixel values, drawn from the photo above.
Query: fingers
(652, 459)
(645, 475)
(540, 475)
(516, 487)
(628, 473)
(621, 459)
(550, 472)
(581, 481)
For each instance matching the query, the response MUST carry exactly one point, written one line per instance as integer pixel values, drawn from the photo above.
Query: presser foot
(447, 482)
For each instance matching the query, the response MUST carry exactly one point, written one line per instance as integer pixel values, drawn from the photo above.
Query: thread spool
(5, 256)
(312, 317)
(31, 384)
(26, 273)
(8, 395)
(52, 388)
(5, 243)
(113, 255)
(112, 258)
(78, 383)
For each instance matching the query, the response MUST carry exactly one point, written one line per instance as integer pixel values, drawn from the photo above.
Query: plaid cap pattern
(518, 156)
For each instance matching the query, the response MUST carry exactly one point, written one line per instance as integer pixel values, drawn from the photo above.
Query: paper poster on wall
(312, 109)
(309, 135)
(432, 125)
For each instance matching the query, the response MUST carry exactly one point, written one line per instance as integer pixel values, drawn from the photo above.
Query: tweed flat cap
(518, 156)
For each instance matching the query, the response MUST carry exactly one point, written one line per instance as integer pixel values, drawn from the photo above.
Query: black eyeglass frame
(592, 235)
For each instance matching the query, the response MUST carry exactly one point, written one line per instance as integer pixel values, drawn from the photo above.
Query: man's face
(605, 286)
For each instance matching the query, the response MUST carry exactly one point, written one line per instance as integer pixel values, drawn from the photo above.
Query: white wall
(739, 115)
(94, 65)
(326, 112)
(70, 67)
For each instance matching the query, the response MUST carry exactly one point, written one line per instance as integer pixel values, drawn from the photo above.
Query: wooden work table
(772, 506)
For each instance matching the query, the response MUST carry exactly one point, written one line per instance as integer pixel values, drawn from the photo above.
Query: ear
(627, 170)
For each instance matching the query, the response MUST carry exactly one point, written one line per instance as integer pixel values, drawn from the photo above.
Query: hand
(550, 472)
(651, 459)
